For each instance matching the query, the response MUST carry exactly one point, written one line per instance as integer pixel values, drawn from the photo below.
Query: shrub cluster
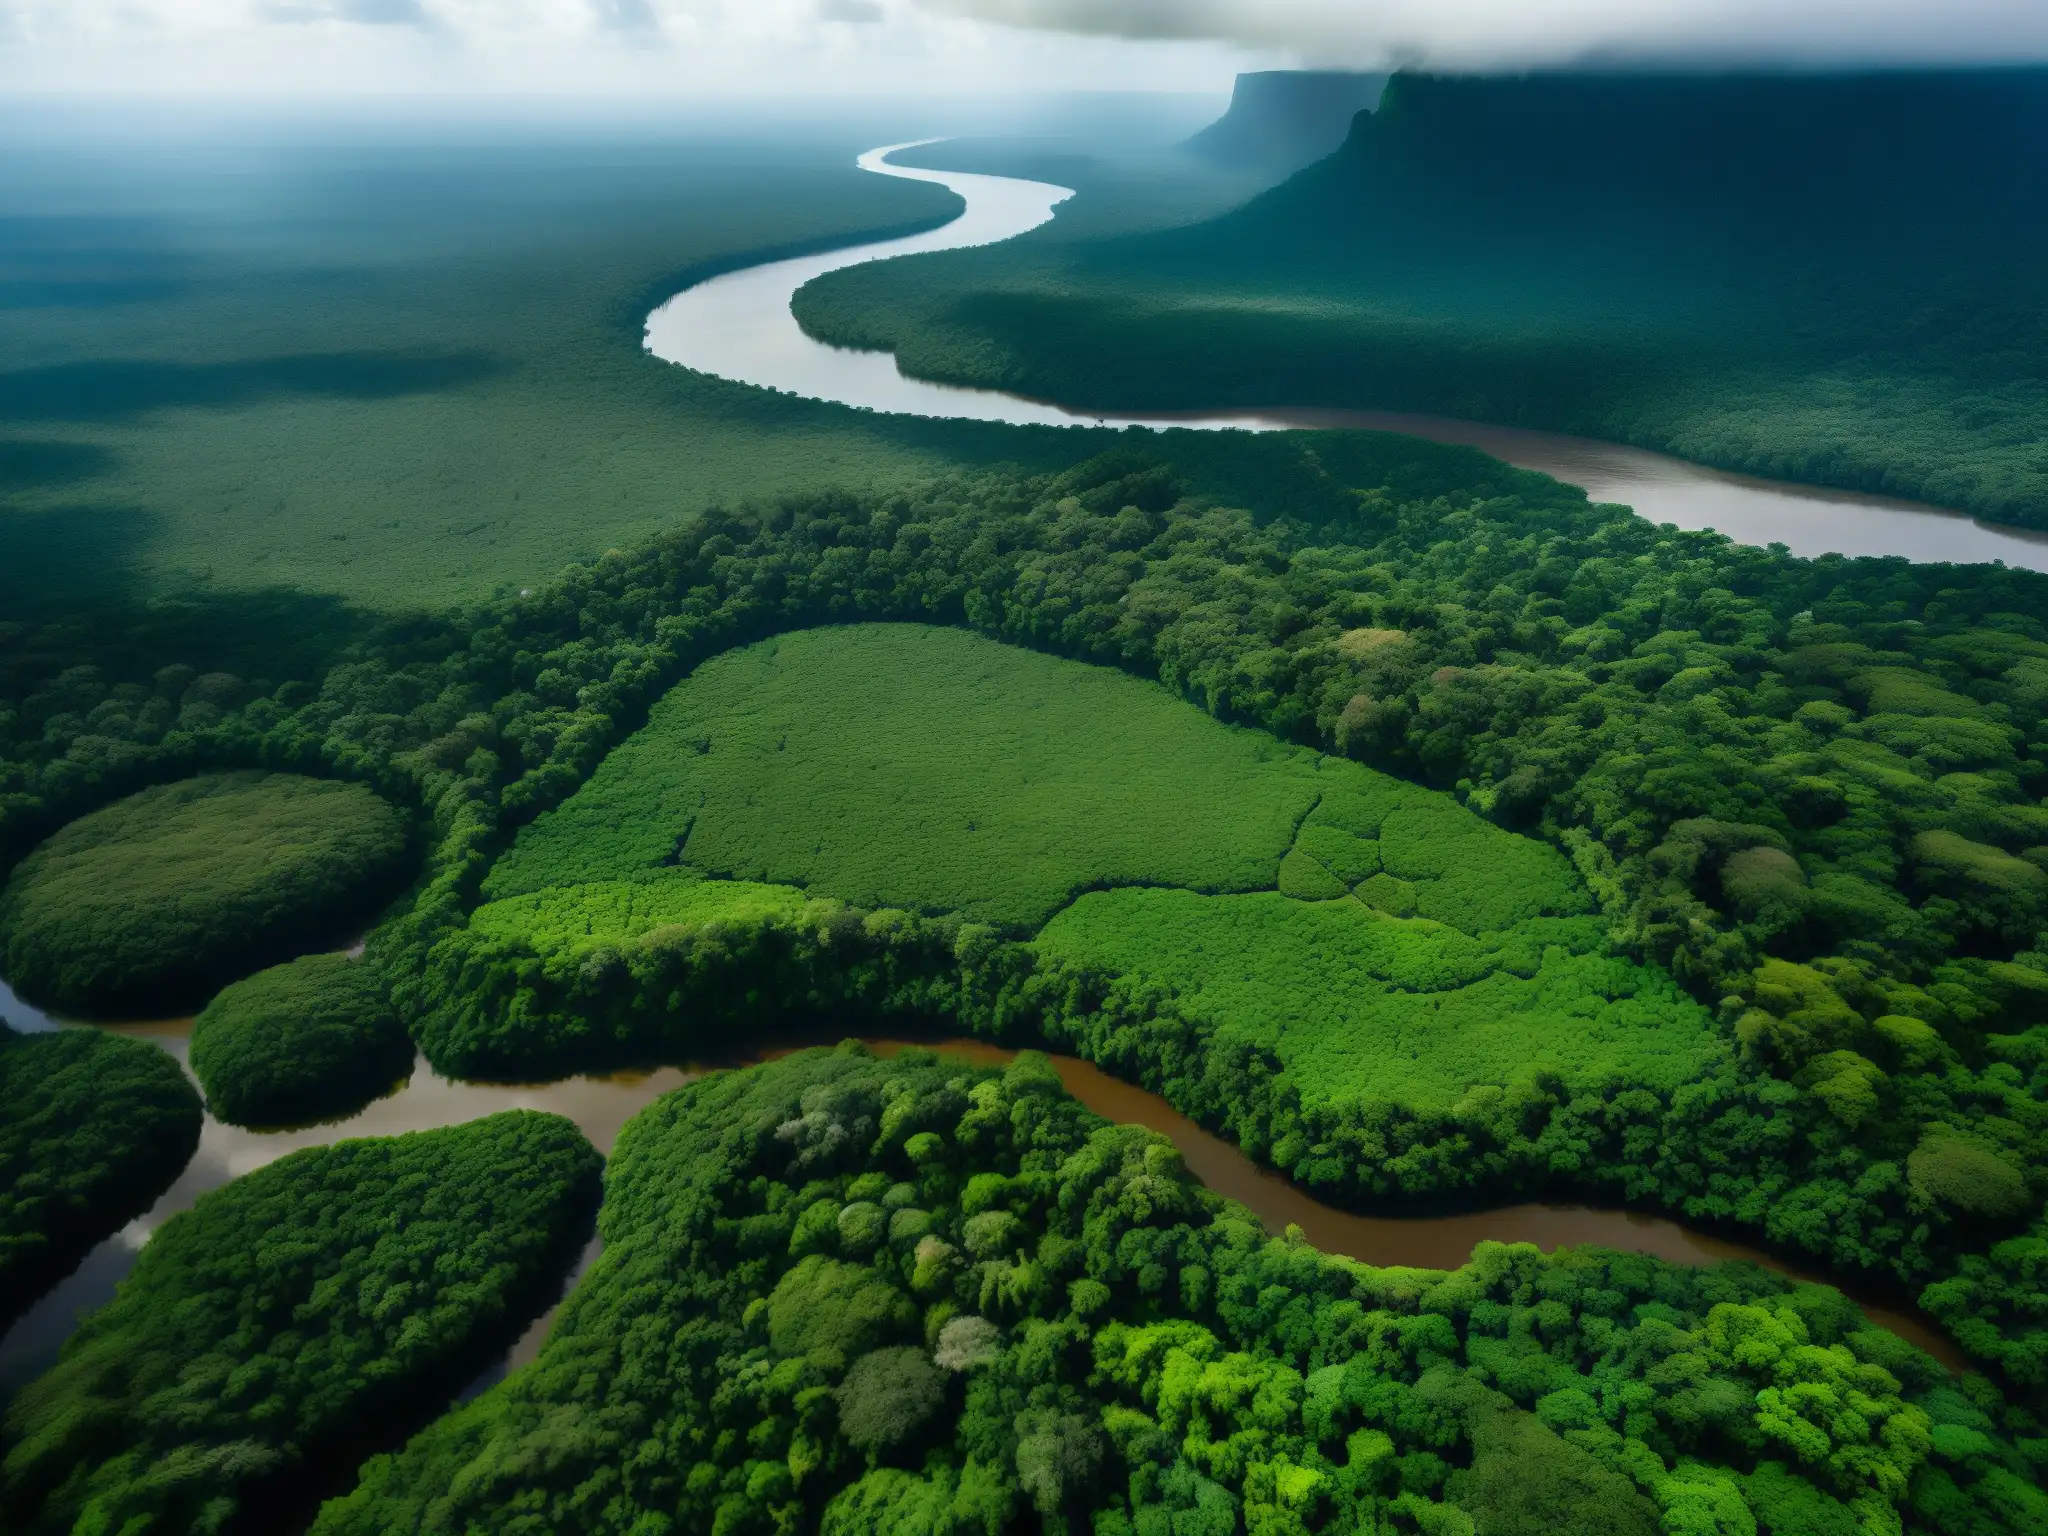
(93, 1128)
(146, 907)
(292, 1319)
(862, 1298)
(303, 1041)
(1652, 702)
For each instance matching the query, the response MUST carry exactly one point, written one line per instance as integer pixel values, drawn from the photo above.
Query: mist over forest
(615, 922)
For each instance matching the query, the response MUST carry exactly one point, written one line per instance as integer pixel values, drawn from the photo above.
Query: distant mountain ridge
(1912, 154)
(1280, 120)
(1827, 277)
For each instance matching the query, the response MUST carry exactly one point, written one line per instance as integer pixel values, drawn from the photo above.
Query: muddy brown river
(601, 1105)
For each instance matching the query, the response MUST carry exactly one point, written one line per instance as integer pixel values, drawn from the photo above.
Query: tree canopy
(1057, 1327)
(146, 907)
(292, 1317)
(93, 1127)
(312, 1038)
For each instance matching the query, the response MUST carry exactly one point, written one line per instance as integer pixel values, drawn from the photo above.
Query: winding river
(601, 1105)
(738, 326)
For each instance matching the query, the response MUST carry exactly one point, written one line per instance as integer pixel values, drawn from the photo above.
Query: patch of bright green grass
(901, 765)
(1360, 1005)
(568, 920)
(1384, 940)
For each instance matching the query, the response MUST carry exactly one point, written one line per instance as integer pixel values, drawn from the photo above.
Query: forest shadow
(63, 558)
(86, 293)
(117, 389)
(68, 262)
(76, 589)
(27, 465)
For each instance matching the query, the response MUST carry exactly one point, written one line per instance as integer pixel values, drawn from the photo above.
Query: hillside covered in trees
(1813, 277)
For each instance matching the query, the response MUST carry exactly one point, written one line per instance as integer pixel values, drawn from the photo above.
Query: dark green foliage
(1526, 1481)
(829, 1312)
(93, 1128)
(300, 1313)
(1561, 251)
(448, 399)
(299, 1042)
(1650, 702)
(147, 907)
(632, 972)
(1107, 1346)
(887, 1396)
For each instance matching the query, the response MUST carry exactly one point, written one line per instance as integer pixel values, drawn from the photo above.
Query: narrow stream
(738, 326)
(601, 1105)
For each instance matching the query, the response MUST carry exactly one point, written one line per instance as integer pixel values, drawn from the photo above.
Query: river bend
(739, 326)
(602, 1104)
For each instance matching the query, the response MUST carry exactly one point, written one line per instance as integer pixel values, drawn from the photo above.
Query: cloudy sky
(711, 48)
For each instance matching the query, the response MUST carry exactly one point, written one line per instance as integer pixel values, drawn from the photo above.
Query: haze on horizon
(719, 49)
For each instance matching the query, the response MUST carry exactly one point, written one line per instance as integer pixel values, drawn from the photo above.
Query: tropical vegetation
(1670, 711)
(291, 1321)
(1712, 264)
(851, 1296)
(307, 1040)
(393, 368)
(93, 1127)
(146, 907)
(1402, 949)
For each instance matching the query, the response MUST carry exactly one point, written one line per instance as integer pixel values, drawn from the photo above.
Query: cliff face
(1921, 156)
(1280, 120)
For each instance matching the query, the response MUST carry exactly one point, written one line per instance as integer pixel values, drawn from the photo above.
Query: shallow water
(739, 326)
(598, 1105)
(601, 1105)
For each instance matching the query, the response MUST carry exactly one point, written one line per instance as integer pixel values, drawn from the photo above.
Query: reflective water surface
(601, 1105)
(739, 326)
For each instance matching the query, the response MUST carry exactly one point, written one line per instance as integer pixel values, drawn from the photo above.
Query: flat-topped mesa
(1280, 120)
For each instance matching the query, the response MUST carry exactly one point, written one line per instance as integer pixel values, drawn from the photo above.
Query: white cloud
(1528, 32)
(808, 48)
(640, 47)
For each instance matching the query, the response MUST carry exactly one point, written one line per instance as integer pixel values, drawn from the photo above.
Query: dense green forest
(388, 365)
(292, 1321)
(897, 766)
(1821, 278)
(146, 907)
(1437, 836)
(1808, 788)
(92, 1129)
(298, 1042)
(913, 1297)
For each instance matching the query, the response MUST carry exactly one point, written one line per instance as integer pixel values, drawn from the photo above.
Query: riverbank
(741, 326)
(601, 1105)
